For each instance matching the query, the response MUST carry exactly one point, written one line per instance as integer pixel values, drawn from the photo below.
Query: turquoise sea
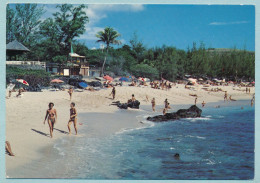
(219, 145)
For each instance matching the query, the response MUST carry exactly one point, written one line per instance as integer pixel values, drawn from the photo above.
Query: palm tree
(107, 36)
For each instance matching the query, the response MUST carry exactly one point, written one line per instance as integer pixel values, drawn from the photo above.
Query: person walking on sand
(113, 92)
(51, 113)
(225, 96)
(153, 104)
(73, 118)
(70, 92)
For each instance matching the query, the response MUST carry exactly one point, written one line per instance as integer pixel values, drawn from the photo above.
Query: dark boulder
(134, 105)
(192, 112)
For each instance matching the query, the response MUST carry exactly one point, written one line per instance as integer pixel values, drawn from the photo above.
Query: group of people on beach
(161, 85)
(51, 116)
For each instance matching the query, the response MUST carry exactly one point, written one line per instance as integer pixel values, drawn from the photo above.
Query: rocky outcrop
(192, 112)
(134, 105)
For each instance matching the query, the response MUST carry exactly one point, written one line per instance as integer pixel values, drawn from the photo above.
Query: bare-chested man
(73, 118)
(51, 113)
(153, 104)
(70, 92)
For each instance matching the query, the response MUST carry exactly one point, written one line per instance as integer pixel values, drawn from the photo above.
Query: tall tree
(68, 23)
(23, 23)
(108, 36)
(137, 47)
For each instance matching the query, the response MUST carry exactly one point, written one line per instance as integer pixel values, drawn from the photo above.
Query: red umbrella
(56, 81)
(22, 81)
(107, 77)
(253, 82)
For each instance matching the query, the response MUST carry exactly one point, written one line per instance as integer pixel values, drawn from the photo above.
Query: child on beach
(70, 92)
(73, 117)
(153, 104)
(51, 113)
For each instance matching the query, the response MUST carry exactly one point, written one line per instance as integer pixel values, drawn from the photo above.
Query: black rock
(134, 105)
(192, 112)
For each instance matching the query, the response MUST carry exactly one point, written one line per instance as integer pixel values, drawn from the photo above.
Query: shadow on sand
(61, 131)
(42, 133)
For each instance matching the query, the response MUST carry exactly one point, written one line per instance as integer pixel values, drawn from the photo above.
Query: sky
(217, 26)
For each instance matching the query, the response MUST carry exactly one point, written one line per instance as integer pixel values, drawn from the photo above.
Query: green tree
(59, 32)
(23, 23)
(108, 36)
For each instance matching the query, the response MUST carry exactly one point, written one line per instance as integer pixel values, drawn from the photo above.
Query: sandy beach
(27, 133)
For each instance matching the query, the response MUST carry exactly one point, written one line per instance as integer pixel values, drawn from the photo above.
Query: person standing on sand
(51, 113)
(73, 118)
(225, 96)
(70, 92)
(196, 100)
(113, 92)
(153, 104)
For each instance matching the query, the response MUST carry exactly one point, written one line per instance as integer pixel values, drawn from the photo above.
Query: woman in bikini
(52, 117)
(73, 117)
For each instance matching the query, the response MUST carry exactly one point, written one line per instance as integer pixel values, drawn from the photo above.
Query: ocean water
(219, 145)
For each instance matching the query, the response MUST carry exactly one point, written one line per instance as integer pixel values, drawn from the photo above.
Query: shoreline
(96, 121)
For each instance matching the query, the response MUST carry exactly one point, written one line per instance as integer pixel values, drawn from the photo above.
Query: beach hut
(15, 48)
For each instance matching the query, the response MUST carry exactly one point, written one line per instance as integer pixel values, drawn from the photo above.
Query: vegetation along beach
(91, 97)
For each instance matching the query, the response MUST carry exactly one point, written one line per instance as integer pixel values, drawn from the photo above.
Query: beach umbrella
(141, 79)
(22, 81)
(83, 84)
(107, 77)
(123, 79)
(56, 81)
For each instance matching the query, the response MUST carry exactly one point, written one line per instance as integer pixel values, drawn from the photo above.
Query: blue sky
(218, 26)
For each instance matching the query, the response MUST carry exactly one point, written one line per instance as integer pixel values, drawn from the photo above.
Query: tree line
(50, 40)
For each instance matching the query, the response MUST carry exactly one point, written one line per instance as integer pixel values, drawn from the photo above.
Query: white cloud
(95, 13)
(228, 23)
(90, 33)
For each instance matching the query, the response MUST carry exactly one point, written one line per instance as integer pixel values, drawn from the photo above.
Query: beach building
(76, 65)
(13, 50)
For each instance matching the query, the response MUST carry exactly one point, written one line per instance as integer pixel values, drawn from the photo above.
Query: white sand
(24, 116)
